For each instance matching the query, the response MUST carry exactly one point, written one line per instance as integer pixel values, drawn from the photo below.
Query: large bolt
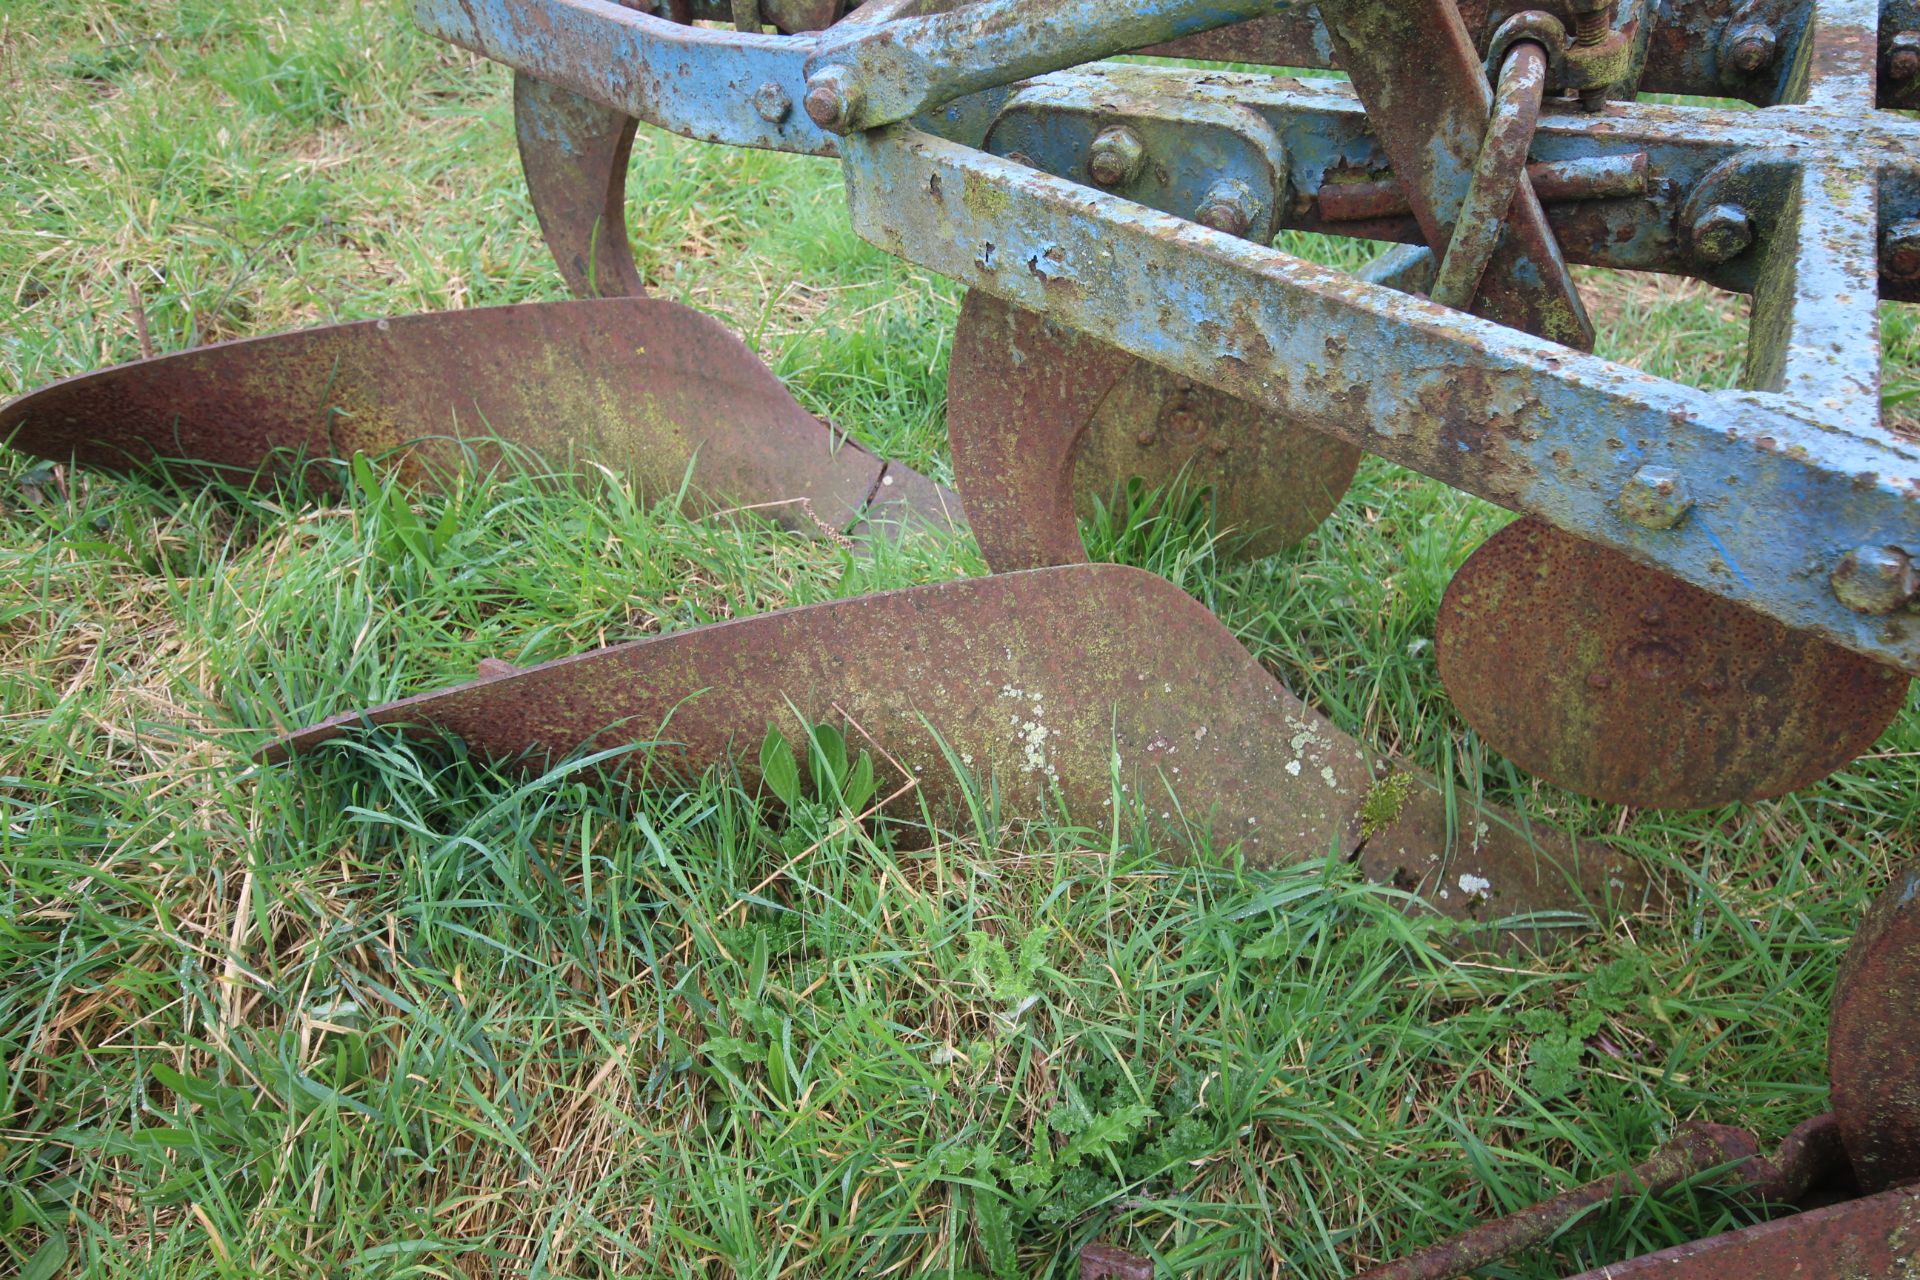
(772, 102)
(1655, 498)
(1116, 156)
(834, 100)
(1721, 232)
(1592, 24)
(1591, 20)
(1226, 209)
(1903, 56)
(1751, 48)
(1875, 580)
(1900, 250)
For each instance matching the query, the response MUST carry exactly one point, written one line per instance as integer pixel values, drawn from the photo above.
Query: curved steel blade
(574, 153)
(1059, 684)
(1619, 682)
(1042, 420)
(1872, 1033)
(648, 388)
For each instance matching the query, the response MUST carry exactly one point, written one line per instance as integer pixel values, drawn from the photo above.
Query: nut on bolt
(1655, 498)
(1116, 156)
(1722, 231)
(1900, 250)
(772, 102)
(1903, 56)
(1875, 580)
(1599, 57)
(1227, 208)
(834, 100)
(1750, 48)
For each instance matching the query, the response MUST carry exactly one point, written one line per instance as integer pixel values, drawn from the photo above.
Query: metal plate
(649, 388)
(1870, 1239)
(1056, 684)
(575, 152)
(1043, 420)
(1621, 683)
(1873, 1039)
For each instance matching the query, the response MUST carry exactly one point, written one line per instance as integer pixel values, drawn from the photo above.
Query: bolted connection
(1227, 208)
(1116, 157)
(1598, 52)
(1900, 250)
(772, 102)
(1903, 56)
(1721, 232)
(1655, 498)
(1751, 47)
(1875, 580)
(834, 100)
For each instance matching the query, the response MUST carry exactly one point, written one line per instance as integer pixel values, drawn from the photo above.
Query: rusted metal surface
(1327, 143)
(1876, 1238)
(793, 16)
(1873, 1039)
(1868, 1143)
(699, 82)
(1054, 683)
(1106, 1262)
(1821, 1243)
(1596, 178)
(1417, 71)
(651, 389)
(1815, 329)
(787, 16)
(1809, 1159)
(1627, 685)
(1044, 420)
(1693, 1151)
(1525, 422)
(1712, 48)
(1170, 154)
(574, 153)
(1498, 172)
(881, 75)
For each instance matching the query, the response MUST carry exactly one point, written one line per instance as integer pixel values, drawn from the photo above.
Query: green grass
(396, 1014)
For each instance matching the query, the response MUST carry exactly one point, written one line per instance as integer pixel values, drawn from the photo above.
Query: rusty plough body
(1711, 596)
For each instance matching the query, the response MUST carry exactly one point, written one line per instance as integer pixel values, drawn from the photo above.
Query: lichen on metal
(1083, 687)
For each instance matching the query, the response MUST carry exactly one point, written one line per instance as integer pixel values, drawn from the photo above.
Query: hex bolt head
(1227, 209)
(772, 102)
(1655, 498)
(1721, 232)
(1116, 157)
(833, 100)
(1751, 47)
(1900, 250)
(1903, 56)
(1875, 580)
